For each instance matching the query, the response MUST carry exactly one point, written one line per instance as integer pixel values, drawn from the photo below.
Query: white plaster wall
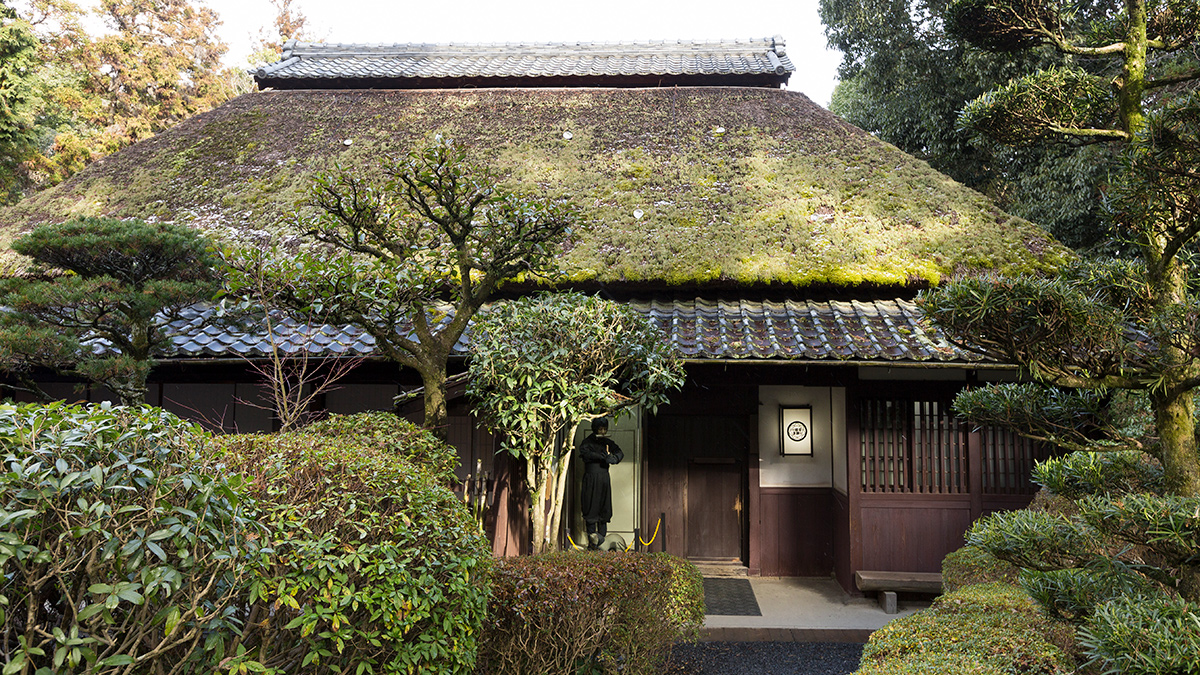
(828, 433)
(841, 454)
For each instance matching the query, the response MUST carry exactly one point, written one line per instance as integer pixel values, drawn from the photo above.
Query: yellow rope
(656, 526)
(577, 547)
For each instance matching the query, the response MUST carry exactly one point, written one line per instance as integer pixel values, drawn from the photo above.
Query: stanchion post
(637, 540)
(662, 518)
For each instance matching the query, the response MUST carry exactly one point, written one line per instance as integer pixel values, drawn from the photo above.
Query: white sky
(442, 21)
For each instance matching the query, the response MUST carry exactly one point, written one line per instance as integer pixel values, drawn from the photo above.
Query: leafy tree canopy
(905, 79)
(541, 364)
(18, 59)
(86, 96)
(409, 259)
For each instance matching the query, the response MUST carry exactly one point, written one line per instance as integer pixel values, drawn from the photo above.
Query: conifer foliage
(1120, 558)
(98, 307)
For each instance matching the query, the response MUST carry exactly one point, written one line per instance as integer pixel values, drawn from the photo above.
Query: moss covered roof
(683, 187)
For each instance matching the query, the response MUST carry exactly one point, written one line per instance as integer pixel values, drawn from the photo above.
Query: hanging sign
(795, 431)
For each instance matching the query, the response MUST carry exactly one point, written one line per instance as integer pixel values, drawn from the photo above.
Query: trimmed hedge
(986, 629)
(972, 565)
(121, 549)
(579, 612)
(376, 567)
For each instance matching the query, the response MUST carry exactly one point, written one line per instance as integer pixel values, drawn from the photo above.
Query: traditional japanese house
(778, 247)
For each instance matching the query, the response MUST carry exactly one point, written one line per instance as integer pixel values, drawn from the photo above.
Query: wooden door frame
(748, 485)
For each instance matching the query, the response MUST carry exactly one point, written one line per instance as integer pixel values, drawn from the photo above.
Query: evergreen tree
(18, 61)
(96, 305)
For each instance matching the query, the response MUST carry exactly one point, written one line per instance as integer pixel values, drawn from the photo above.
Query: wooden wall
(911, 533)
(910, 523)
(796, 532)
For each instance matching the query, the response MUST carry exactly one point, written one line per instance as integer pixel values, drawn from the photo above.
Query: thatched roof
(685, 187)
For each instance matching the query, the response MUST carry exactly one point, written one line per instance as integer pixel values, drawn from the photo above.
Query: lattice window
(1007, 462)
(912, 447)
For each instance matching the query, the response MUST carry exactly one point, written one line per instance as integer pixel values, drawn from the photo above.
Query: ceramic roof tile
(330, 61)
(701, 328)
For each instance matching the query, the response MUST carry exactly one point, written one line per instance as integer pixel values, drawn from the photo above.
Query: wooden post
(754, 510)
(975, 472)
(854, 488)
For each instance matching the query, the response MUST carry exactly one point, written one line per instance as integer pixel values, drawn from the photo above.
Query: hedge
(122, 550)
(985, 629)
(376, 567)
(581, 612)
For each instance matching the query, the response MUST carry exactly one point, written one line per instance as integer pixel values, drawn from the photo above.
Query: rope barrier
(654, 536)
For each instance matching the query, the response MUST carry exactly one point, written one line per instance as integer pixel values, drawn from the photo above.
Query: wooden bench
(887, 584)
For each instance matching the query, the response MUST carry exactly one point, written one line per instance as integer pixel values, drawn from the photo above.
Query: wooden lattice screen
(1007, 462)
(912, 446)
(920, 447)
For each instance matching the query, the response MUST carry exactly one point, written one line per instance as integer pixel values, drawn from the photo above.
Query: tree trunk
(560, 490)
(1132, 81)
(437, 413)
(1173, 404)
(1173, 417)
(537, 473)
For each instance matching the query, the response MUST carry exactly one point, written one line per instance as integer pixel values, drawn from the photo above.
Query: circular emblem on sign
(797, 431)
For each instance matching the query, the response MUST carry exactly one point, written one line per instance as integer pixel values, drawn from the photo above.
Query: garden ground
(803, 610)
(807, 626)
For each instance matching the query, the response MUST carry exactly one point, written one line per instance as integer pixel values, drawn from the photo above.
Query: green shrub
(120, 550)
(387, 431)
(984, 629)
(972, 565)
(1095, 473)
(1073, 594)
(576, 612)
(1136, 635)
(685, 609)
(376, 567)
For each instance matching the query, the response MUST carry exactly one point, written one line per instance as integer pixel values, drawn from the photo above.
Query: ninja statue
(598, 453)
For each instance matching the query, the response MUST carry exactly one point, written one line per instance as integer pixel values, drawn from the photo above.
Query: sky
(442, 21)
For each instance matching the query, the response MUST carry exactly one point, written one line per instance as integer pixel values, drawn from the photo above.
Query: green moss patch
(684, 186)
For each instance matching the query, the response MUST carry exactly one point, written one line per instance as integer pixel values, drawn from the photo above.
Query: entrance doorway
(697, 477)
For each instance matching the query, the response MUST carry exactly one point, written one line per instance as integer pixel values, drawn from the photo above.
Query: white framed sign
(795, 431)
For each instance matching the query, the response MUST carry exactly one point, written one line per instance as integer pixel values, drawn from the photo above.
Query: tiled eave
(877, 331)
(731, 62)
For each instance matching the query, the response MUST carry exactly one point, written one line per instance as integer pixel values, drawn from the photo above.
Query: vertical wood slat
(1008, 462)
(911, 447)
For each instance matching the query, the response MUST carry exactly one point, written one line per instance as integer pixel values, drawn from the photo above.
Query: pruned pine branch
(1046, 105)
(1071, 419)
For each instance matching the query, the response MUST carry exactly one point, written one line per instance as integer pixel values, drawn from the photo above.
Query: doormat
(730, 597)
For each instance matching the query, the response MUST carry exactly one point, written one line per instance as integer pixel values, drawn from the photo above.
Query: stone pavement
(803, 610)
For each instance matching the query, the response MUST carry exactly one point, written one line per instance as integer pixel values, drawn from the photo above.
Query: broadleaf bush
(376, 567)
(573, 612)
(122, 549)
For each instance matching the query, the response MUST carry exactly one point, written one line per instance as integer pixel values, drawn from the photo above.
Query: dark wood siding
(918, 478)
(797, 532)
(911, 534)
(696, 475)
